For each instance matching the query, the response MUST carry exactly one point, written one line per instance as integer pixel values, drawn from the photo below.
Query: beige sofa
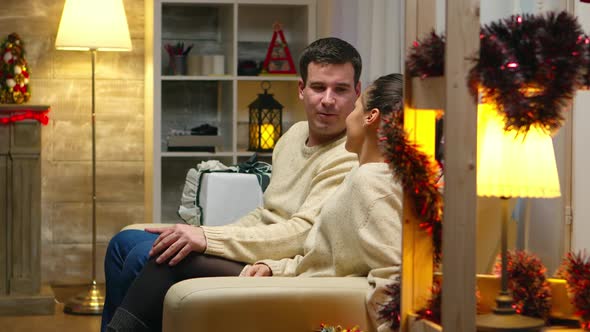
(263, 304)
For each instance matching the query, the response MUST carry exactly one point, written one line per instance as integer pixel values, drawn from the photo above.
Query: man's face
(328, 96)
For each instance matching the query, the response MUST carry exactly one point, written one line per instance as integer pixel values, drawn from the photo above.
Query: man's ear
(357, 89)
(300, 87)
(372, 116)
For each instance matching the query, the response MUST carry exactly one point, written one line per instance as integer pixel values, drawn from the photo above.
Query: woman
(358, 232)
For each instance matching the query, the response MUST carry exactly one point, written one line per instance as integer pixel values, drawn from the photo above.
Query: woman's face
(355, 127)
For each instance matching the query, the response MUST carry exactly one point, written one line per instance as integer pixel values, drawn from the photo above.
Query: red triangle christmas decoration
(278, 57)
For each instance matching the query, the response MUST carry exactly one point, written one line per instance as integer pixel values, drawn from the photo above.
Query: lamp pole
(93, 56)
(90, 302)
(81, 29)
(504, 299)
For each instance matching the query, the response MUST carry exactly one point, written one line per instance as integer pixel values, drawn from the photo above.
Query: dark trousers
(145, 297)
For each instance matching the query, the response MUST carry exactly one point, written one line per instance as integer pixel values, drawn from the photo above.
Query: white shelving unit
(239, 30)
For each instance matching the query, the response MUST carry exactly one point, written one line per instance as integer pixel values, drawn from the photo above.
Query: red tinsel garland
(426, 56)
(419, 177)
(528, 65)
(391, 310)
(575, 269)
(416, 172)
(26, 115)
(528, 284)
(433, 309)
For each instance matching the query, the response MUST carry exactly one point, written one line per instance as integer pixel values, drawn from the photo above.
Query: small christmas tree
(14, 72)
(278, 57)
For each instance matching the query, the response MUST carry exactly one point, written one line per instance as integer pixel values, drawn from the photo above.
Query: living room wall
(62, 79)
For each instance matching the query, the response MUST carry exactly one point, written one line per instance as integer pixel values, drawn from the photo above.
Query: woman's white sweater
(358, 233)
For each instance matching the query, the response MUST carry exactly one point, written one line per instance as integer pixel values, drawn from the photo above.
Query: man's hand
(179, 239)
(256, 270)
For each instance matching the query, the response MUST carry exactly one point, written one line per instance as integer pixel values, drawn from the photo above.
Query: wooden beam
(417, 267)
(459, 230)
(428, 93)
(426, 17)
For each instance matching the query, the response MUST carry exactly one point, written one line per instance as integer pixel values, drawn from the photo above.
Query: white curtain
(374, 27)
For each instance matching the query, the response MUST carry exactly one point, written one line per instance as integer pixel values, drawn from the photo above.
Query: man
(309, 162)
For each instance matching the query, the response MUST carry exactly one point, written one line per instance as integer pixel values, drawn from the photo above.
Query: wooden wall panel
(25, 236)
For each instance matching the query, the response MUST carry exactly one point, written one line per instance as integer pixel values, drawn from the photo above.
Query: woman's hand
(256, 270)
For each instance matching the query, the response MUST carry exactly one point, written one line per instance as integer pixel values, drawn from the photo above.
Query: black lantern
(265, 121)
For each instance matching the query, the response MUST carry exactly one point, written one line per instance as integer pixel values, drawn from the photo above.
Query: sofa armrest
(265, 304)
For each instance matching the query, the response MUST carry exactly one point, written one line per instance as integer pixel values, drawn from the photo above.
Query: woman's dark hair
(385, 94)
(330, 51)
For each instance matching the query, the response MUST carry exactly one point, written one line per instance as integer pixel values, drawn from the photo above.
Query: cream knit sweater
(302, 178)
(358, 233)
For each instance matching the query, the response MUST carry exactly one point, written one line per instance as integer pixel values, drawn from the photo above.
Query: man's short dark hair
(330, 51)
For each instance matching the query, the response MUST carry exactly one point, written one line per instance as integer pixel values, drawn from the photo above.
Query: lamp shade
(93, 24)
(511, 164)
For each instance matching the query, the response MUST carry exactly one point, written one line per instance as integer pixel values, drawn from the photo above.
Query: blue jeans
(127, 253)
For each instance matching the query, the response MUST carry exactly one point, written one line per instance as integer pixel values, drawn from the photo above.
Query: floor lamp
(92, 25)
(511, 165)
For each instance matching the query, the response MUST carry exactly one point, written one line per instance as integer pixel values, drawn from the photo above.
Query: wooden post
(459, 230)
(417, 250)
(148, 120)
(417, 267)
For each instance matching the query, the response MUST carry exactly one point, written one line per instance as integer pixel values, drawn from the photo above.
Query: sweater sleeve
(285, 267)
(253, 218)
(381, 249)
(282, 239)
